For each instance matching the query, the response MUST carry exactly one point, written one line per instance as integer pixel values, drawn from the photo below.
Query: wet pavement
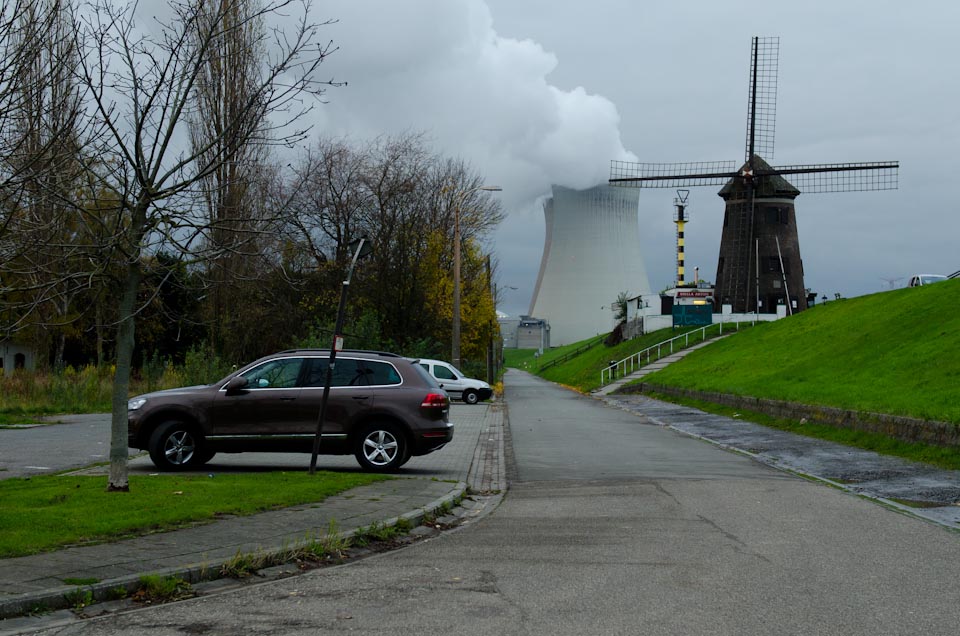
(918, 489)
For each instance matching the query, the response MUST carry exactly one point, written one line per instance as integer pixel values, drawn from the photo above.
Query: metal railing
(655, 352)
(572, 354)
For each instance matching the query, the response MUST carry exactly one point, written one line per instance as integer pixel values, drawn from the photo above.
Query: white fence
(657, 351)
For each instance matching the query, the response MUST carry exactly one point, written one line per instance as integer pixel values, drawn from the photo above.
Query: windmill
(759, 265)
(891, 282)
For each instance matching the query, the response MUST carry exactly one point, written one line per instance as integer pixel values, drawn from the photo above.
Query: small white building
(14, 355)
(652, 312)
(525, 332)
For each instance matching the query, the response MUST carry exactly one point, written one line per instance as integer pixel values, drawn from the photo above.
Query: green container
(692, 315)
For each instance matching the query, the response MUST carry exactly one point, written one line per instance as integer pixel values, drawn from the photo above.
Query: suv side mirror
(236, 384)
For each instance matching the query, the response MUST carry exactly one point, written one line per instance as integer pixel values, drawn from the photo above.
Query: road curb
(67, 596)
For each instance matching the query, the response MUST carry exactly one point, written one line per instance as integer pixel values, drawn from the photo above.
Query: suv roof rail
(386, 354)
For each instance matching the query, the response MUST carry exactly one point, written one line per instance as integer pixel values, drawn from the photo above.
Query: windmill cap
(769, 186)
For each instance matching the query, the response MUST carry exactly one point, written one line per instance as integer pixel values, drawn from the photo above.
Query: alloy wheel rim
(380, 448)
(179, 448)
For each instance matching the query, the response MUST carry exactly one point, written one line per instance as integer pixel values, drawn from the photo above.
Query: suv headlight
(135, 403)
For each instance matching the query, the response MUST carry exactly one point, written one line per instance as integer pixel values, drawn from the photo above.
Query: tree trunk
(99, 325)
(61, 347)
(127, 317)
(121, 382)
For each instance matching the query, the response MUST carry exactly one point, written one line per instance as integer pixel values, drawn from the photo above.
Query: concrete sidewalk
(470, 466)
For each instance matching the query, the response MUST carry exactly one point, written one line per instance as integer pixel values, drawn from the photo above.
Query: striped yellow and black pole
(680, 218)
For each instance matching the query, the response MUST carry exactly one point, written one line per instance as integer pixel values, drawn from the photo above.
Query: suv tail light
(435, 401)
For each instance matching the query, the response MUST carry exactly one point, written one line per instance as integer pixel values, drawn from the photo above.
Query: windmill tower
(759, 265)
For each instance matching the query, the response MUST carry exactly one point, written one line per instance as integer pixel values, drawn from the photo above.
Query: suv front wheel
(175, 446)
(382, 448)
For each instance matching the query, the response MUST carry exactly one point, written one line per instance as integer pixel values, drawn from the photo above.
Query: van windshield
(429, 379)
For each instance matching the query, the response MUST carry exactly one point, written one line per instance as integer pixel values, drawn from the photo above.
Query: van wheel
(381, 448)
(471, 397)
(175, 445)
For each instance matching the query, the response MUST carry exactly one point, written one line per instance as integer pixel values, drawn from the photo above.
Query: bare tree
(330, 197)
(44, 140)
(142, 86)
(24, 27)
(230, 80)
(404, 198)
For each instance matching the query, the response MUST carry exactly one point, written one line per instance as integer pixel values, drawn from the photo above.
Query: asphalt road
(72, 442)
(613, 525)
(79, 441)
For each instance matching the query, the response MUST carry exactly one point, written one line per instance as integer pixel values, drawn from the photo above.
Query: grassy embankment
(582, 372)
(895, 352)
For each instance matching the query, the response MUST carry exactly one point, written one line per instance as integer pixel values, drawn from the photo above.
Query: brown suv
(382, 408)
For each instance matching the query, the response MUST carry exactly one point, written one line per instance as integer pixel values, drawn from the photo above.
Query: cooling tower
(591, 254)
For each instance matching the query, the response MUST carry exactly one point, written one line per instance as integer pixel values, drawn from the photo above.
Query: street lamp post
(495, 352)
(456, 268)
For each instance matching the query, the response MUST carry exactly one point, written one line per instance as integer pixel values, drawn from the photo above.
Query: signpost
(361, 248)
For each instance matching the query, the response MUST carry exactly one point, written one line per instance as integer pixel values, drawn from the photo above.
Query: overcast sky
(537, 92)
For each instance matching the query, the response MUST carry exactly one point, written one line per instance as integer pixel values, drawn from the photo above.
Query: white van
(456, 383)
(926, 279)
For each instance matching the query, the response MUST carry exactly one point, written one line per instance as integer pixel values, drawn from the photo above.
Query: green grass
(163, 589)
(939, 456)
(80, 581)
(583, 372)
(44, 513)
(895, 352)
(14, 418)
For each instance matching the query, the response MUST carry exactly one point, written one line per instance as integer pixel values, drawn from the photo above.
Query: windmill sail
(759, 250)
(762, 98)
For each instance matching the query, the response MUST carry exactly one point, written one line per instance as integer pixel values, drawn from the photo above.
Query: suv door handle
(361, 397)
(287, 398)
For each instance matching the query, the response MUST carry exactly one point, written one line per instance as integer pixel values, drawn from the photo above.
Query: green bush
(201, 366)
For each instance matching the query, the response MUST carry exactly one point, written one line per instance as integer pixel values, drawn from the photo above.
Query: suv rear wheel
(382, 448)
(175, 446)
